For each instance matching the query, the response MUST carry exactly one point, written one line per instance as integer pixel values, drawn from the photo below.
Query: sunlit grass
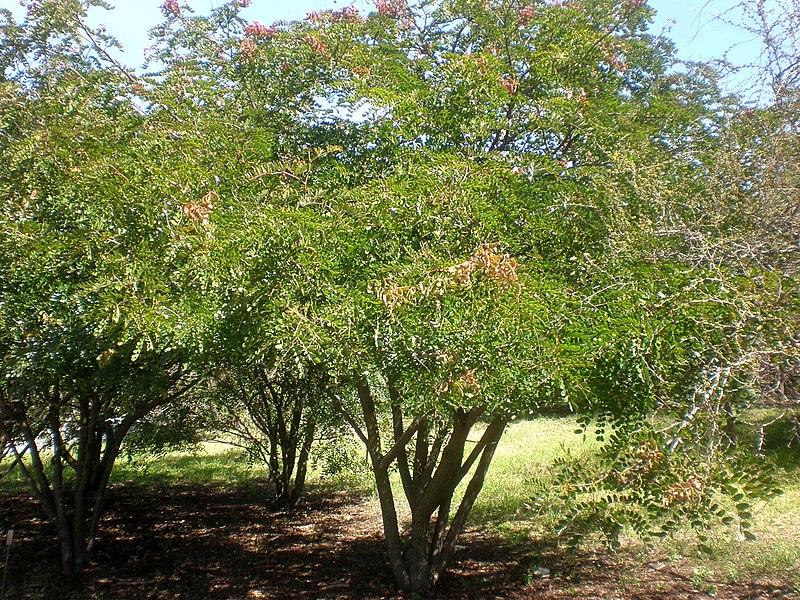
(213, 462)
(523, 465)
(775, 553)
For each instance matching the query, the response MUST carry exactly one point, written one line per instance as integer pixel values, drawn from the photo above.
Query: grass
(211, 462)
(215, 463)
(522, 470)
(523, 465)
(775, 553)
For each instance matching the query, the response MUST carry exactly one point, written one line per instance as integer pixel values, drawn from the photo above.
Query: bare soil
(197, 542)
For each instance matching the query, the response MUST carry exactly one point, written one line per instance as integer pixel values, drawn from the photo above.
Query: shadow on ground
(205, 541)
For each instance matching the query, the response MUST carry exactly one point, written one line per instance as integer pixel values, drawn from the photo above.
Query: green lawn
(524, 465)
(209, 463)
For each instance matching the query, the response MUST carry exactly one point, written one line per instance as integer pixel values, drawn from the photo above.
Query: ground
(222, 541)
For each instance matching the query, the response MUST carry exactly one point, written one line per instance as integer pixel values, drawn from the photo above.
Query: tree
(520, 246)
(705, 444)
(98, 301)
(275, 413)
(451, 213)
(264, 84)
(765, 134)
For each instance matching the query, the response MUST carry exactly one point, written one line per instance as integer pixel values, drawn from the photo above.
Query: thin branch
(400, 444)
(348, 417)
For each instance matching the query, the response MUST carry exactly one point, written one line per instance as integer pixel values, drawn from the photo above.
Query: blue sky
(690, 23)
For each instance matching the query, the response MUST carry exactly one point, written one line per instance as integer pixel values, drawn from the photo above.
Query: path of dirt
(197, 542)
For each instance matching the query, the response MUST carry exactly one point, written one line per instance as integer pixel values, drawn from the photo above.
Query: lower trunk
(74, 551)
(288, 490)
(302, 464)
(430, 478)
(422, 579)
(78, 527)
(391, 530)
(433, 541)
(422, 575)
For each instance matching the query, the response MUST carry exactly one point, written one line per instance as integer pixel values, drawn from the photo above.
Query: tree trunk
(74, 555)
(80, 529)
(302, 464)
(73, 507)
(430, 478)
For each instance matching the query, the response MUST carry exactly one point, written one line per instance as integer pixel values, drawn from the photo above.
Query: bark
(302, 464)
(79, 509)
(391, 528)
(430, 476)
(74, 509)
(490, 440)
(278, 428)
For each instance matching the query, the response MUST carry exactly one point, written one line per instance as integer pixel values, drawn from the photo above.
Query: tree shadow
(212, 541)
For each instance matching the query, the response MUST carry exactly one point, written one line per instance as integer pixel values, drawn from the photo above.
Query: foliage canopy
(450, 212)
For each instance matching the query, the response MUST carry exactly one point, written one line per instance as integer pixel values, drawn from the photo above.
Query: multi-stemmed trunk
(277, 426)
(74, 507)
(73, 504)
(290, 451)
(430, 472)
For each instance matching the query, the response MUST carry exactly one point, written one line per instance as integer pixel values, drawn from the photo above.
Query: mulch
(207, 541)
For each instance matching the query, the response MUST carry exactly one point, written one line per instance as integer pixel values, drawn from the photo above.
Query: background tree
(255, 90)
(767, 134)
(738, 229)
(274, 412)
